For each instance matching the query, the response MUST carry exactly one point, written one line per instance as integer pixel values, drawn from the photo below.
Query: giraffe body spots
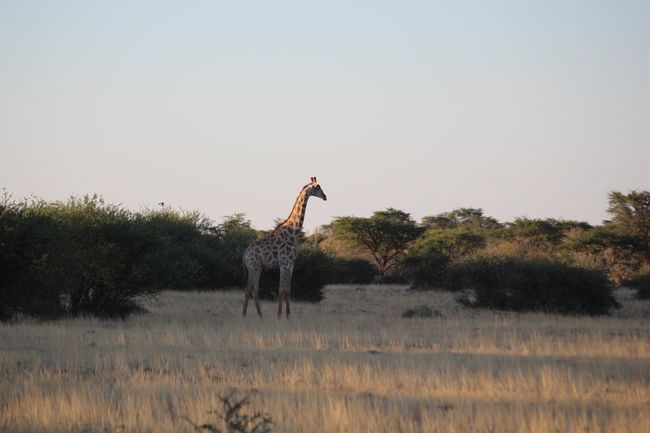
(278, 250)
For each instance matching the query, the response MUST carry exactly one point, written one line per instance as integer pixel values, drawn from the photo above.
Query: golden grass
(350, 364)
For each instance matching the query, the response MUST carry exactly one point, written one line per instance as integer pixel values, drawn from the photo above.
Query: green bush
(27, 285)
(429, 256)
(426, 269)
(312, 271)
(234, 234)
(641, 282)
(530, 284)
(84, 256)
(616, 253)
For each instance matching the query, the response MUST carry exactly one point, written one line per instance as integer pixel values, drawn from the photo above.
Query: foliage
(607, 249)
(428, 257)
(235, 418)
(461, 217)
(27, 285)
(531, 284)
(385, 235)
(540, 235)
(453, 243)
(82, 256)
(641, 282)
(631, 216)
(85, 256)
(311, 272)
(342, 248)
(352, 271)
(426, 269)
(234, 234)
(171, 248)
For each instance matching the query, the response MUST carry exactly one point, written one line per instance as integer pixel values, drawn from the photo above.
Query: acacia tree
(385, 235)
(542, 235)
(468, 217)
(614, 252)
(631, 216)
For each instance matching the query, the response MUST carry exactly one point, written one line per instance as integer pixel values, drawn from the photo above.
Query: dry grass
(350, 364)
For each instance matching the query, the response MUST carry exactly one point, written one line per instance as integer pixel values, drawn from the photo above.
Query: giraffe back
(273, 251)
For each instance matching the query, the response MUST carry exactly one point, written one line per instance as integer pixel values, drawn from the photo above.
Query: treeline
(527, 264)
(88, 257)
(85, 256)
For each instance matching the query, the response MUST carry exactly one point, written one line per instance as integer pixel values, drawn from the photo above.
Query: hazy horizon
(535, 110)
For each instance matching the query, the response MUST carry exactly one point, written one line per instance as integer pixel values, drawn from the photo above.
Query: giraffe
(278, 250)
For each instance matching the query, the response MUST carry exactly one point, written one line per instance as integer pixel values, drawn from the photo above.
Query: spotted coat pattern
(278, 250)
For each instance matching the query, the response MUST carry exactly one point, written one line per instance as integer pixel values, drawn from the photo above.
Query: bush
(84, 256)
(27, 285)
(97, 250)
(531, 284)
(427, 269)
(426, 263)
(311, 272)
(353, 271)
(616, 253)
(169, 249)
(235, 415)
(641, 282)
(234, 235)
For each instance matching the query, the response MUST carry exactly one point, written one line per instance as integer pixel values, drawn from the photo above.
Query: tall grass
(350, 363)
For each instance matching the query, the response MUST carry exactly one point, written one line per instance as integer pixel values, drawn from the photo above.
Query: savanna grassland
(349, 364)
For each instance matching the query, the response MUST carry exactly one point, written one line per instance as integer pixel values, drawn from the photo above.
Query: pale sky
(521, 108)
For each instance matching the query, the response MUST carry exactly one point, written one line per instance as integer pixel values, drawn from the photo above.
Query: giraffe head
(316, 190)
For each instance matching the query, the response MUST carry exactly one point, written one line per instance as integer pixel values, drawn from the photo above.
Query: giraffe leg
(256, 292)
(285, 288)
(257, 304)
(252, 289)
(246, 298)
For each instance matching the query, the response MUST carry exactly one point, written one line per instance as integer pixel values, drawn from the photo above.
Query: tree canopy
(461, 217)
(631, 216)
(385, 235)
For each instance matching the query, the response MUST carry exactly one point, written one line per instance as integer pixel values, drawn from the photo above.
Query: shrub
(235, 416)
(235, 233)
(641, 282)
(428, 258)
(616, 253)
(96, 258)
(426, 269)
(84, 256)
(352, 271)
(311, 272)
(27, 286)
(531, 284)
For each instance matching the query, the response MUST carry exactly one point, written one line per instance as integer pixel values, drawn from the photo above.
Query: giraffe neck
(297, 216)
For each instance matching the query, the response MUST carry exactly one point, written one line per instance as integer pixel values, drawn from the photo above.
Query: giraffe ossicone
(278, 250)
